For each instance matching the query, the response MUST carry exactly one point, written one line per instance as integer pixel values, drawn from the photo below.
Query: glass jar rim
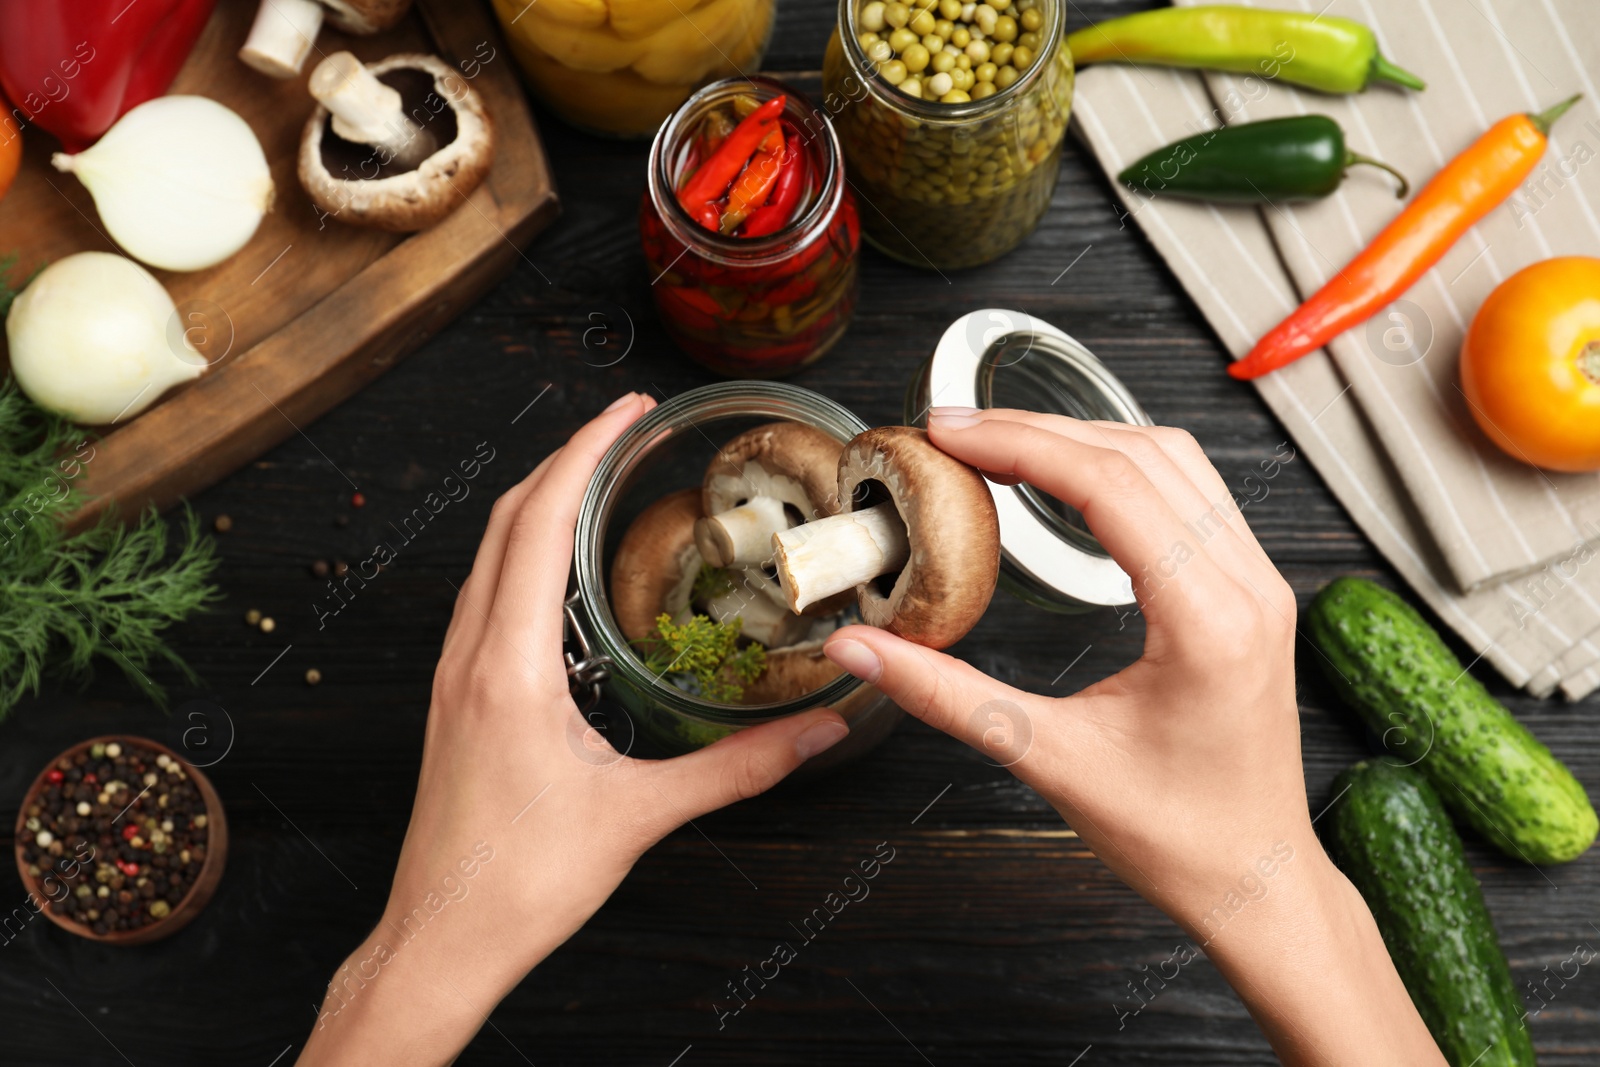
(747, 251)
(774, 400)
(932, 111)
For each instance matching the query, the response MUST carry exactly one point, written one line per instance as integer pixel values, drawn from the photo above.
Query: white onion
(93, 338)
(180, 182)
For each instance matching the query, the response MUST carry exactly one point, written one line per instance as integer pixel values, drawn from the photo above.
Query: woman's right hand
(1182, 772)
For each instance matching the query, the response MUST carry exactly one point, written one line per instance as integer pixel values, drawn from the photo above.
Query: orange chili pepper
(1466, 190)
(753, 186)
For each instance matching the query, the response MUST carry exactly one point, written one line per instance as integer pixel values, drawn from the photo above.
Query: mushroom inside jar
(906, 538)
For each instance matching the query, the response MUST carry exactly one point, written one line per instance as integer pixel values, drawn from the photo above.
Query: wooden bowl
(200, 892)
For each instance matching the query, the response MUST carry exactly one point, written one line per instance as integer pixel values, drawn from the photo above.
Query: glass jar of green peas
(951, 114)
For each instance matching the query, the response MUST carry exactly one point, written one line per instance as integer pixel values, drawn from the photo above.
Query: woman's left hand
(525, 818)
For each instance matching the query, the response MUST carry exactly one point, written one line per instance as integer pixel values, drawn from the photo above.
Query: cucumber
(1394, 841)
(1387, 663)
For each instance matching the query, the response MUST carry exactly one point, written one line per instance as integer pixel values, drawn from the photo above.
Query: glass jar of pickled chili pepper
(750, 235)
(951, 115)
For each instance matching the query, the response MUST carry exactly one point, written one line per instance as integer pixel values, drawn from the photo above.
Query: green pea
(1000, 54)
(983, 89)
(915, 57)
(901, 39)
(1022, 58)
(896, 14)
(984, 72)
(943, 63)
(1031, 20)
(1005, 28)
(1005, 77)
(923, 22)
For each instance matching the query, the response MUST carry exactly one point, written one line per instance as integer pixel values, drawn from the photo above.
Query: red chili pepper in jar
(754, 186)
(74, 69)
(774, 214)
(724, 165)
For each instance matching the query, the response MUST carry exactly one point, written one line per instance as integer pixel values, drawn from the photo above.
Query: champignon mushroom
(654, 571)
(937, 533)
(767, 479)
(655, 568)
(285, 31)
(397, 145)
(655, 565)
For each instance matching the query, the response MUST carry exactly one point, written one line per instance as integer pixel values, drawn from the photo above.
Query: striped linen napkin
(1501, 551)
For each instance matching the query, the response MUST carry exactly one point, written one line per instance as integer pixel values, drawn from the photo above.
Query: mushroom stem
(818, 559)
(741, 535)
(765, 620)
(282, 36)
(369, 112)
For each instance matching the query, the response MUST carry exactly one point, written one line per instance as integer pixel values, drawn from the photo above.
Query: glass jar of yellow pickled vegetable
(619, 67)
(951, 114)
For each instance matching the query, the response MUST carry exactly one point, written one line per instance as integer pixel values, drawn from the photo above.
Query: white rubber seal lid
(1046, 559)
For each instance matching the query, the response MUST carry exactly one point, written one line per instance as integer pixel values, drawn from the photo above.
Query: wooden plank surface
(992, 937)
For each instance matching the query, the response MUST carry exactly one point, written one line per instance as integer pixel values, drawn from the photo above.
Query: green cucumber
(1392, 667)
(1393, 839)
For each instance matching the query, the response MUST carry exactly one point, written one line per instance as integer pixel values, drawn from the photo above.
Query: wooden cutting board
(311, 309)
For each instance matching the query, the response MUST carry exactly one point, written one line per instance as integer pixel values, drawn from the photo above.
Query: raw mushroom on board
(285, 31)
(397, 144)
(937, 534)
(654, 572)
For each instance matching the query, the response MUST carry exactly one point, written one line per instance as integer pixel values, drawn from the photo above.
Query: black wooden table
(994, 936)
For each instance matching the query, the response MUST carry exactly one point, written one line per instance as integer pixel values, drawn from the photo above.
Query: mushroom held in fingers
(396, 145)
(765, 480)
(285, 31)
(937, 534)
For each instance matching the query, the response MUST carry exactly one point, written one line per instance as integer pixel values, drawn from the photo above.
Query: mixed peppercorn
(116, 837)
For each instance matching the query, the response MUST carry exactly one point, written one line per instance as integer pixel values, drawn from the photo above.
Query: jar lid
(995, 357)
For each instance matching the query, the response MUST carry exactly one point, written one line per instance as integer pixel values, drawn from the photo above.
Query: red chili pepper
(754, 186)
(774, 214)
(53, 775)
(709, 215)
(74, 69)
(713, 179)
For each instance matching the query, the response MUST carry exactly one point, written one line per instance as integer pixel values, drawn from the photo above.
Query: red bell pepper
(75, 68)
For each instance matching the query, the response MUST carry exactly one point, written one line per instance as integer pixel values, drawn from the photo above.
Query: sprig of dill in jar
(109, 592)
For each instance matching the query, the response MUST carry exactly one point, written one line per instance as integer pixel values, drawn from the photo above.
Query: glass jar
(949, 185)
(752, 307)
(992, 357)
(669, 449)
(619, 67)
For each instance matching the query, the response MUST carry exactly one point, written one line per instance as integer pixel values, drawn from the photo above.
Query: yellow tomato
(1530, 366)
(10, 149)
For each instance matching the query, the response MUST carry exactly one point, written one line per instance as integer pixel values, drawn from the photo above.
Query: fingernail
(854, 657)
(625, 398)
(953, 418)
(820, 738)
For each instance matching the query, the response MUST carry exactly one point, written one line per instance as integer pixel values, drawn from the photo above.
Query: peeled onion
(93, 338)
(181, 182)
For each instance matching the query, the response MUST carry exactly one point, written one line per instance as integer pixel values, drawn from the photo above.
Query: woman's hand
(1182, 771)
(525, 819)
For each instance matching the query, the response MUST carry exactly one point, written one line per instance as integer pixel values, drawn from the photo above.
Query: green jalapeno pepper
(1322, 52)
(1301, 157)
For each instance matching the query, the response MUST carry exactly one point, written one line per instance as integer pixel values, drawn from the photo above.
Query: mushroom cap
(366, 17)
(414, 199)
(951, 524)
(656, 561)
(796, 463)
(791, 672)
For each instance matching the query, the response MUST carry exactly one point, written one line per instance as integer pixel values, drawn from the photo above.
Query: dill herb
(710, 583)
(106, 593)
(703, 656)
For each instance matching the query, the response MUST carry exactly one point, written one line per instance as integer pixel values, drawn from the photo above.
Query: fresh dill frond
(703, 657)
(107, 592)
(710, 583)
